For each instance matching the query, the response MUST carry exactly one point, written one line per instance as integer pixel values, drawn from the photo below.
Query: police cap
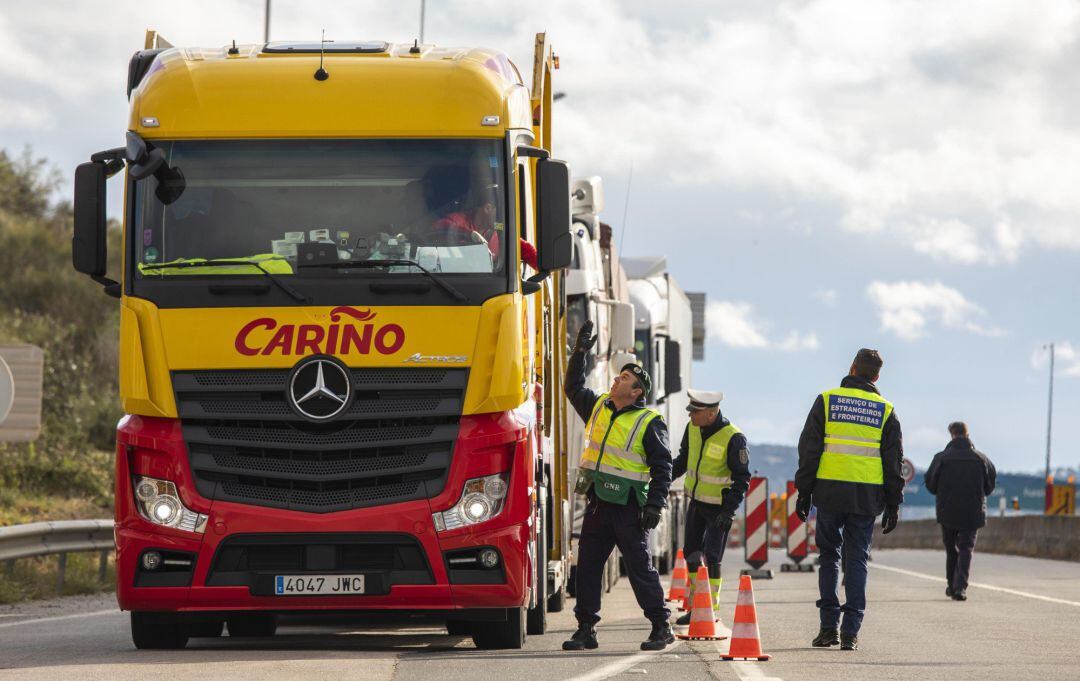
(641, 375)
(703, 399)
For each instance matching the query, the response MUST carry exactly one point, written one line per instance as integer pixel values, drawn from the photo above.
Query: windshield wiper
(349, 264)
(293, 293)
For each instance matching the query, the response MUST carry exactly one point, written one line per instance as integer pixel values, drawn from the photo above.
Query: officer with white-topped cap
(714, 456)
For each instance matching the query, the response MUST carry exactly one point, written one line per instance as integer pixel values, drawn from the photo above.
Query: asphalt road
(1022, 621)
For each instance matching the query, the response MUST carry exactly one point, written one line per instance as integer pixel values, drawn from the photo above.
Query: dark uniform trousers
(606, 526)
(959, 545)
(701, 536)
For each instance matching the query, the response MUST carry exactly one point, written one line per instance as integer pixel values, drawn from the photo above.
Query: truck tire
(252, 625)
(206, 628)
(557, 601)
(157, 631)
(501, 635)
(459, 628)
(537, 617)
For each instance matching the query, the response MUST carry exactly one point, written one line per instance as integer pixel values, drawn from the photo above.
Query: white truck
(668, 335)
(597, 291)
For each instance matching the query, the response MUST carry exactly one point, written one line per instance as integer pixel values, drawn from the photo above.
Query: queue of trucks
(351, 273)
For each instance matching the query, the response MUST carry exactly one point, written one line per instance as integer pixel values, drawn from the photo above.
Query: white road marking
(58, 618)
(990, 587)
(619, 666)
(750, 670)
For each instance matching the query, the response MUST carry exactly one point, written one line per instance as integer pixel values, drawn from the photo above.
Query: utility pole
(423, 4)
(266, 23)
(1049, 411)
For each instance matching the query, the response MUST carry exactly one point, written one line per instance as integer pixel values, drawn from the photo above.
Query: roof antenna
(321, 74)
(415, 49)
(233, 49)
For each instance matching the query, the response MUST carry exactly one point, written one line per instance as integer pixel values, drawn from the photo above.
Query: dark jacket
(739, 465)
(850, 497)
(961, 477)
(655, 440)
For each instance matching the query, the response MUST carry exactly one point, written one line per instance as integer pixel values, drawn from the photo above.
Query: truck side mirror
(553, 238)
(672, 367)
(88, 244)
(622, 326)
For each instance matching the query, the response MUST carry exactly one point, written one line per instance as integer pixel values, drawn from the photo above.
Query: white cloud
(732, 325)
(949, 126)
(827, 296)
(908, 307)
(735, 325)
(1066, 359)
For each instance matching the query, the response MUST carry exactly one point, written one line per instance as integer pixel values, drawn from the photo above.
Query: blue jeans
(833, 531)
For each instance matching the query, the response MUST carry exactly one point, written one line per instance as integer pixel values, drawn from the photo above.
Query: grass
(34, 578)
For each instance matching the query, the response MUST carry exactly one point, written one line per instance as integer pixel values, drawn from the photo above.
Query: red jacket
(461, 222)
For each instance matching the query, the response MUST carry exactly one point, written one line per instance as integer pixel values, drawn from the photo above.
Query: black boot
(683, 620)
(948, 591)
(660, 637)
(826, 638)
(583, 639)
(960, 595)
(849, 642)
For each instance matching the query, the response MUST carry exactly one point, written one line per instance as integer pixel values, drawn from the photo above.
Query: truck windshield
(296, 207)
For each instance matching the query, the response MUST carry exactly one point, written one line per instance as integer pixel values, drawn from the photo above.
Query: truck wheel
(157, 631)
(206, 628)
(501, 635)
(458, 628)
(252, 626)
(537, 617)
(557, 601)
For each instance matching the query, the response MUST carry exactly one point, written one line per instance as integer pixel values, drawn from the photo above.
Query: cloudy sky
(834, 174)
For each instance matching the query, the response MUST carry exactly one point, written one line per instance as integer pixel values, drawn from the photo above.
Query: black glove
(889, 519)
(802, 507)
(650, 517)
(722, 522)
(585, 339)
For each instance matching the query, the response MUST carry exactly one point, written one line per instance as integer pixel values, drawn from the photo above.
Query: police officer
(714, 456)
(850, 453)
(625, 471)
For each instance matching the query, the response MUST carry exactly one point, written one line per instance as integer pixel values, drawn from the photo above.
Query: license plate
(328, 585)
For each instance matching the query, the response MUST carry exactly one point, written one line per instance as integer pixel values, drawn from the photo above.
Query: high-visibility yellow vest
(613, 458)
(274, 264)
(707, 471)
(854, 422)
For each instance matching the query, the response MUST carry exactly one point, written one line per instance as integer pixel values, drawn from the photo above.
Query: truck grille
(393, 444)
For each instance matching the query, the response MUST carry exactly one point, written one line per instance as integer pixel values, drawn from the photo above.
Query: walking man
(625, 472)
(850, 452)
(716, 461)
(960, 477)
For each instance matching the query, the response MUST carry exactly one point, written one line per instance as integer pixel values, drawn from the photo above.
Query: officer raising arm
(850, 453)
(625, 471)
(716, 461)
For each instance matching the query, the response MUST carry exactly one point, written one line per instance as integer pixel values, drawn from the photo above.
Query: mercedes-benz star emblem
(320, 388)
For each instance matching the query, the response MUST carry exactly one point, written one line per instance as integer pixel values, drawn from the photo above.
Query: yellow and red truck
(341, 338)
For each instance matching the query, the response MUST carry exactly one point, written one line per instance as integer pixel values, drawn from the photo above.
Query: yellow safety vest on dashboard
(854, 423)
(613, 460)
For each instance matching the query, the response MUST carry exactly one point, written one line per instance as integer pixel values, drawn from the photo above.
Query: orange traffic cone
(745, 639)
(677, 592)
(688, 593)
(702, 624)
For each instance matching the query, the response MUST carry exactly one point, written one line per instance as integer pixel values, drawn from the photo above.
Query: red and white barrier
(797, 535)
(756, 526)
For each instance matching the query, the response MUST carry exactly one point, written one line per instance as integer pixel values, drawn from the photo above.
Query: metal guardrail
(57, 537)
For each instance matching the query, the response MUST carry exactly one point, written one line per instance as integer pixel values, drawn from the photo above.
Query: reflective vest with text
(707, 471)
(613, 459)
(854, 423)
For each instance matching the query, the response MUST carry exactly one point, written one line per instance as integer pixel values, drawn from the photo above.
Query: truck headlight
(159, 503)
(481, 500)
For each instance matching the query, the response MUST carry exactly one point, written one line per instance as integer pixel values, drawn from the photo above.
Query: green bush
(43, 301)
